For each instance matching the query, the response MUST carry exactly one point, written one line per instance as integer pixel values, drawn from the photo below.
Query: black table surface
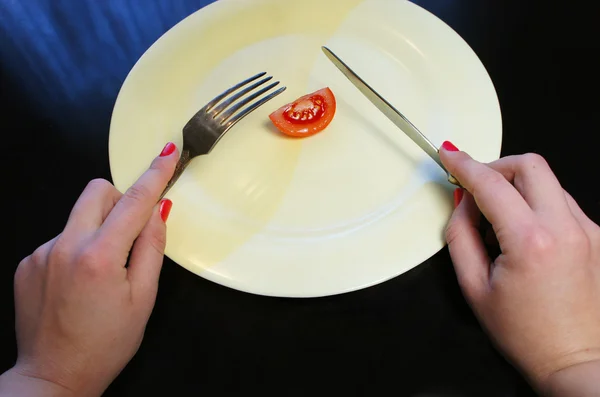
(411, 336)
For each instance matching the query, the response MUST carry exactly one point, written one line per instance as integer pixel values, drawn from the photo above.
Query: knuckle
(157, 240)
(104, 188)
(38, 257)
(538, 243)
(23, 270)
(576, 240)
(534, 160)
(99, 183)
(493, 178)
(487, 180)
(90, 261)
(60, 252)
(137, 194)
(87, 257)
(452, 232)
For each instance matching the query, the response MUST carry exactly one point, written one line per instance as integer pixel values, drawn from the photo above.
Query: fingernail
(458, 195)
(168, 149)
(449, 146)
(164, 209)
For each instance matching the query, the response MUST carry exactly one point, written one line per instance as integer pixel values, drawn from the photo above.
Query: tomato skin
(288, 121)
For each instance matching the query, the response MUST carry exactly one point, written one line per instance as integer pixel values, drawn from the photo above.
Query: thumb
(148, 253)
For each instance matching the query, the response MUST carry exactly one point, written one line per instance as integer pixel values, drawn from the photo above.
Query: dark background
(61, 65)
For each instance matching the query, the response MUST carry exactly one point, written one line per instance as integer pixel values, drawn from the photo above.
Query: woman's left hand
(81, 306)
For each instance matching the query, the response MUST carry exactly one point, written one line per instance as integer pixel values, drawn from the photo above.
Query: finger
(132, 211)
(532, 177)
(148, 254)
(28, 285)
(498, 200)
(586, 223)
(467, 250)
(92, 208)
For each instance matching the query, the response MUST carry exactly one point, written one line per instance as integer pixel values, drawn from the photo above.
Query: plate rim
(213, 277)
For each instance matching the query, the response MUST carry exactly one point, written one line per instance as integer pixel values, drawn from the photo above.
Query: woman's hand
(81, 306)
(540, 298)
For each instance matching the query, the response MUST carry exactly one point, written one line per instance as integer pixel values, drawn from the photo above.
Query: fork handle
(183, 162)
(452, 179)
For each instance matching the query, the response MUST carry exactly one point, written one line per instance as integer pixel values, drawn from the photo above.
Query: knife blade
(390, 112)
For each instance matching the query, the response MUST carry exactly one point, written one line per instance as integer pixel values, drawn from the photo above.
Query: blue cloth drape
(70, 57)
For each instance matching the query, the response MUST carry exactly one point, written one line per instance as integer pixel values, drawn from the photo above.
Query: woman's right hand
(540, 298)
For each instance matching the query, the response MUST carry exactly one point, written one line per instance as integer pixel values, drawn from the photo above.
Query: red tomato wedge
(307, 115)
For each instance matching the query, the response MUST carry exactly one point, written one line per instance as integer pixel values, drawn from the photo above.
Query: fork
(204, 130)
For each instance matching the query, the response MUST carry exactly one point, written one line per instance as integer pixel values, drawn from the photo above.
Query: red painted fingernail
(168, 149)
(458, 195)
(165, 209)
(449, 146)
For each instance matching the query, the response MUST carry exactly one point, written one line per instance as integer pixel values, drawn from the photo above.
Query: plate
(350, 207)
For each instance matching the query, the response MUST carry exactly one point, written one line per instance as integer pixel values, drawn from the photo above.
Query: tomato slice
(307, 115)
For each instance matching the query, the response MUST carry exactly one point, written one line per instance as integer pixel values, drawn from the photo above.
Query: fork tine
(240, 115)
(222, 106)
(231, 111)
(236, 87)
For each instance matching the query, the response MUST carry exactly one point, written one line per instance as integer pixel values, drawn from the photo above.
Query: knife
(390, 112)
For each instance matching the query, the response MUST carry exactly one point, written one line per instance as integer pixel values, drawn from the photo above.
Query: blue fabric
(70, 57)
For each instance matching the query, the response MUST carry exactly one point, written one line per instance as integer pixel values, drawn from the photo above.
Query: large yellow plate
(347, 208)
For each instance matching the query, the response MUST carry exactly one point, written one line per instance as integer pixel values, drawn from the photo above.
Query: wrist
(577, 380)
(16, 382)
